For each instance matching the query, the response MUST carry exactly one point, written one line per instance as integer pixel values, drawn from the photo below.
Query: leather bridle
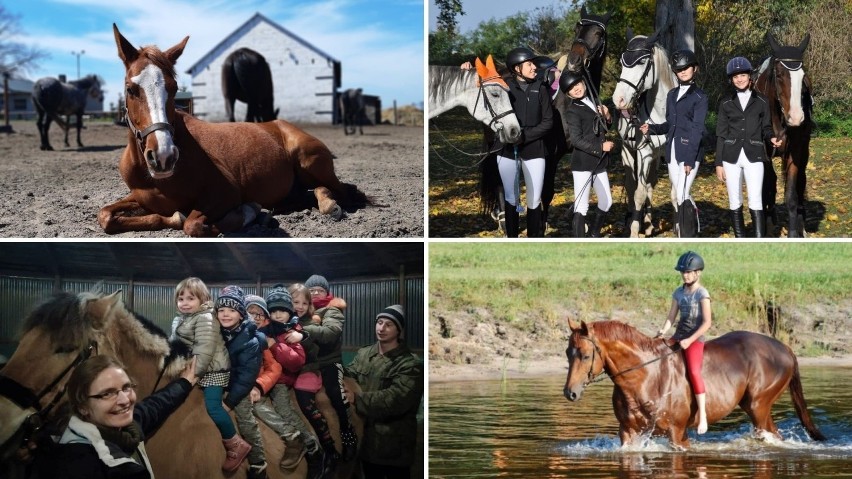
(495, 117)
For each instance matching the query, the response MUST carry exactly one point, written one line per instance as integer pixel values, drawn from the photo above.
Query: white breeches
(753, 173)
(582, 191)
(533, 179)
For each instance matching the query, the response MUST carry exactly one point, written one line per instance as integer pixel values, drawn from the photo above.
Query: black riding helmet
(689, 261)
(521, 54)
(568, 79)
(683, 59)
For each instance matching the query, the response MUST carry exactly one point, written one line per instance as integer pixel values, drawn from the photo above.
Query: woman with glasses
(104, 437)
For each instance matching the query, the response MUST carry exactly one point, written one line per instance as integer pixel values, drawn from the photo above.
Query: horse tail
(489, 179)
(801, 406)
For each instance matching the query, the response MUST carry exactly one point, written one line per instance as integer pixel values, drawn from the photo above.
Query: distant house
(20, 98)
(305, 78)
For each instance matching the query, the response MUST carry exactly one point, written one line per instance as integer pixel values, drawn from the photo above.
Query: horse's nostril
(151, 158)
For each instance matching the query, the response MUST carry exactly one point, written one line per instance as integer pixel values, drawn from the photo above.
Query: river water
(525, 428)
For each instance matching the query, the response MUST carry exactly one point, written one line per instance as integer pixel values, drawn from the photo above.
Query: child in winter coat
(195, 327)
(328, 334)
(244, 349)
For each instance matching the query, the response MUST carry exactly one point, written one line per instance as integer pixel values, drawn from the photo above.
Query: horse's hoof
(336, 213)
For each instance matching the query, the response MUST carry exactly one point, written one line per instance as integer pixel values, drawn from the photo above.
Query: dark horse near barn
(227, 171)
(587, 54)
(352, 110)
(782, 79)
(53, 98)
(652, 395)
(246, 77)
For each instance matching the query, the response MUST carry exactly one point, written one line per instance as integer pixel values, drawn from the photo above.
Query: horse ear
(804, 44)
(174, 52)
(583, 13)
(584, 329)
(573, 325)
(98, 308)
(773, 44)
(653, 38)
(606, 18)
(126, 51)
(629, 35)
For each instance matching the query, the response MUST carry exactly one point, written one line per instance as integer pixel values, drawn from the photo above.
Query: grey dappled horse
(53, 98)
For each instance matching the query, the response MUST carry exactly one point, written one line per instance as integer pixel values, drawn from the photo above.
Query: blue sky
(478, 11)
(380, 43)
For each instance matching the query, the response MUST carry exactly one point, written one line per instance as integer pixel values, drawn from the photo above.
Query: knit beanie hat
(317, 281)
(258, 301)
(279, 298)
(395, 314)
(232, 297)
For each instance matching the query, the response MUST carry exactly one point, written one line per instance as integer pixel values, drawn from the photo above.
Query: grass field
(454, 208)
(516, 280)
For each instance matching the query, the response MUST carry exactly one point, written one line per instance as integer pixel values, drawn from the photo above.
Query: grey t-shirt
(691, 317)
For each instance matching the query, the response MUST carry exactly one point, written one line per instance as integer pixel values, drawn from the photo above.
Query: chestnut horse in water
(783, 81)
(652, 393)
(66, 329)
(208, 178)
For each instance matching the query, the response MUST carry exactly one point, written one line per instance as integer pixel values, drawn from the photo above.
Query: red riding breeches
(693, 356)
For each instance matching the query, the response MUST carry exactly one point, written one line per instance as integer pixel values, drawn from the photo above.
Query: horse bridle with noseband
(26, 399)
(495, 117)
(142, 134)
(599, 49)
(631, 115)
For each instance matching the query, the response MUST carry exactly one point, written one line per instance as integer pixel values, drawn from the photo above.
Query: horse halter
(25, 399)
(495, 117)
(142, 134)
(591, 377)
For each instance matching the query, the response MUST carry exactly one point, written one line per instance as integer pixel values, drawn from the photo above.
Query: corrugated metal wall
(365, 299)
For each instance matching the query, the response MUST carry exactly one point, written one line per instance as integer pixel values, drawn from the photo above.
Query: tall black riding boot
(738, 222)
(597, 224)
(579, 225)
(534, 223)
(759, 222)
(544, 210)
(512, 218)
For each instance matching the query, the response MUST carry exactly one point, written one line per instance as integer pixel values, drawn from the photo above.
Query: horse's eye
(586, 358)
(64, 349)
(132, 90)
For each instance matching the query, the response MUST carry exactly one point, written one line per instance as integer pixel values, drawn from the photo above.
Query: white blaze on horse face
(153, 83)
(796, 115)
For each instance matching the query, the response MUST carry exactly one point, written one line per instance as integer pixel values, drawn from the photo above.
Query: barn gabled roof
(245, 27)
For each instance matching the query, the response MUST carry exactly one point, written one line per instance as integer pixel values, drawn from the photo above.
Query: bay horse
(67, 328)
(782, 80)
(352, 109)
(652, 394)
(483, 92)
(587, 54)
(53, 98)
(246, 77)
(209, 178)
(645, 80)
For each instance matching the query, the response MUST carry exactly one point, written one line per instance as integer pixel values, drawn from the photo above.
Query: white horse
(646, 78)
(484, 93)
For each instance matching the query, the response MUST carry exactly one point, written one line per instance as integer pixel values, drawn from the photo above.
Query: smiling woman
(104, 437)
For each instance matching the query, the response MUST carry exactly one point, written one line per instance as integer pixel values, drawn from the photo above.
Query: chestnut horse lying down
(209, 178)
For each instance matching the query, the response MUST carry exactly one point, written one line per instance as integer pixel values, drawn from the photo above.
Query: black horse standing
(352, 110)
(53, 98)
(246, 77)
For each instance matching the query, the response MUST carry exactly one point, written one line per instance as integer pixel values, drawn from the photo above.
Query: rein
(142, 134)
(495, 117)
(604, 374)
(631, 114)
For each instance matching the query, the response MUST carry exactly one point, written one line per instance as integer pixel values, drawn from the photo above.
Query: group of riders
(744, 127)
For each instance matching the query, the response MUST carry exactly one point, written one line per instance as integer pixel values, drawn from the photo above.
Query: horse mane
(616, 330)
(661, 60)
(444, 79)
(60, 317)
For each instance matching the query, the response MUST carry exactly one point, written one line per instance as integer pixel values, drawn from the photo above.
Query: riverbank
(498, 368)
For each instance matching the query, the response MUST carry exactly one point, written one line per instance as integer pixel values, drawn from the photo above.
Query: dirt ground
(472, 345)
(49, 194)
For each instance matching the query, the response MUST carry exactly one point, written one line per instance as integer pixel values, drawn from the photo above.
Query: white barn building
(304, 78)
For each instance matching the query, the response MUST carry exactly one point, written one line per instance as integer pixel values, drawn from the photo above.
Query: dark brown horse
(66, 328)
(246, 77)
(352, 109)
(782, 79)
(652, 393)
(587, 54)
(209, 178)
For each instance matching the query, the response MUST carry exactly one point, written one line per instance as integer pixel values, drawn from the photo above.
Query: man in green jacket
(391, 380)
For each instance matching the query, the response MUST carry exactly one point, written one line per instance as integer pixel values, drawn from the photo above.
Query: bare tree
(15, 56)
